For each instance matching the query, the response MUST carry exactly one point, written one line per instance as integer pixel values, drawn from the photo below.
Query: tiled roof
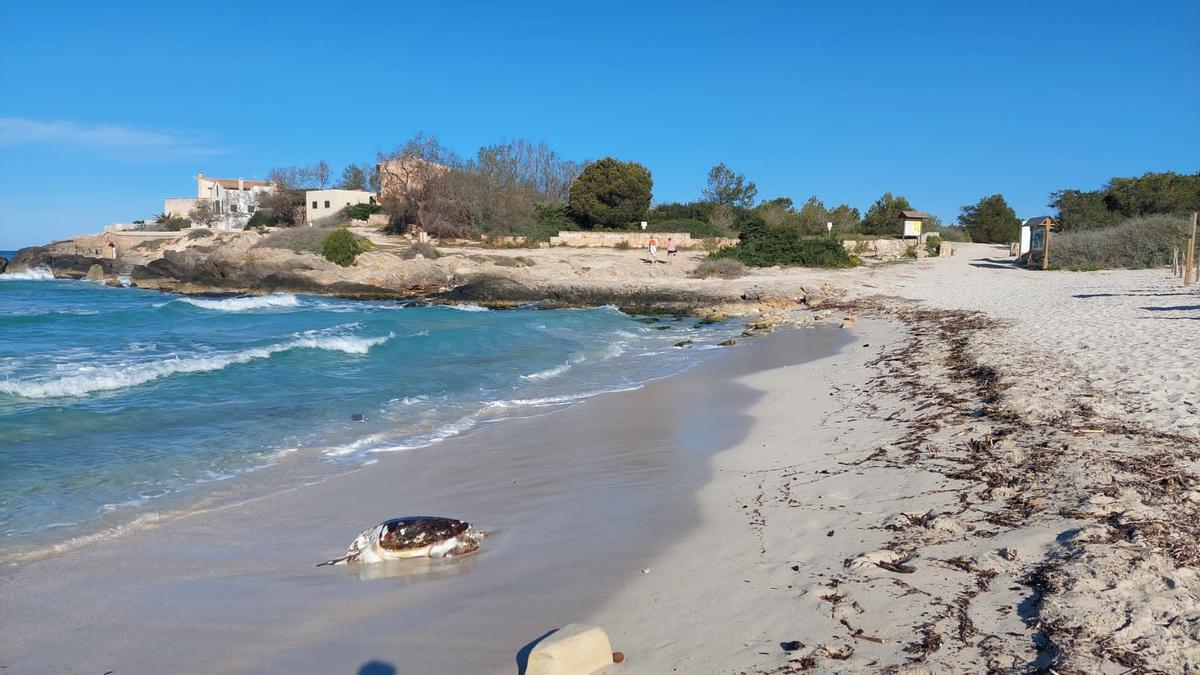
(232, 183)
(915, 214)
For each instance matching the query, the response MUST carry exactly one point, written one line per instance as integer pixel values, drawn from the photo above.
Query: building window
(326, 203)
(314, 205)
(250, 208)
(233, 208)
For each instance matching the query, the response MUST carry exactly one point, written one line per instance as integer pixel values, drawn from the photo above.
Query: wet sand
(580, 500)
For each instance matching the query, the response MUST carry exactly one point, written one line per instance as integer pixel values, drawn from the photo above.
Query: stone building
(234, 200)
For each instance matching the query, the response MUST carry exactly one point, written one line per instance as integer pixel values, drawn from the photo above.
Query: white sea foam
(468, 308)
(35, 274)
(106, 378)
(556, 400)
(549, 372)
(244, 304)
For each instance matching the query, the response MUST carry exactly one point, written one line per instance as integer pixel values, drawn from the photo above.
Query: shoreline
(572, 570)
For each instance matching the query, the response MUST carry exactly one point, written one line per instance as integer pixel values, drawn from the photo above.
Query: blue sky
(106, 108)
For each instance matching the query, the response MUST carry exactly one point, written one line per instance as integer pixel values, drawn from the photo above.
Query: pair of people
(653, 246)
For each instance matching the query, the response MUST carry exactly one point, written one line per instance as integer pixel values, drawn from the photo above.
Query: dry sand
(989, 496)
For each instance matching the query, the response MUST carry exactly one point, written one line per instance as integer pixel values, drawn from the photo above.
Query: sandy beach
(983, 470)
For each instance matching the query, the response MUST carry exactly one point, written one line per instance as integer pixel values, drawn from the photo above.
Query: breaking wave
(107, 378)
(35, 274)
(244, 304)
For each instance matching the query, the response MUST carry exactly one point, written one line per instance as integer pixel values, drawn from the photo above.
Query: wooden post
(1046, 250)
(1174, 262)
(1189, 256)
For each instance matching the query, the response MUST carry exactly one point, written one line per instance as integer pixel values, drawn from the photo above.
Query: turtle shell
(416, 532)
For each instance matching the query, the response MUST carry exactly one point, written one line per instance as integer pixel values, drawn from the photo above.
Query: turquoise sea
(115, 401)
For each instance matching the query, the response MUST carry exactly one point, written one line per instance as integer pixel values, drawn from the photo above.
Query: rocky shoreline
(490, 278)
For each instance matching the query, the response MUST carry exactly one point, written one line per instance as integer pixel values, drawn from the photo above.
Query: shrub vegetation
(361, 211)
(298, 239)
(421, 248)
(341, 247)
(725, 268)
(1136, 243)
(765, 246)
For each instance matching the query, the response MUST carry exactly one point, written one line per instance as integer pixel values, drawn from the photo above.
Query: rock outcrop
(63, 265)
(268, 270)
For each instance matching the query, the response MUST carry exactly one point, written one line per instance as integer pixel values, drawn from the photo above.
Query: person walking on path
(653, 246)
(670, 247)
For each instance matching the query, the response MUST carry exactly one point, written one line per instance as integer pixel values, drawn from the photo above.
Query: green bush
(361, 211)
(173, 224)
(548, 221)
(423, 248)
(933, 245)
(765, 246)
(340, 247)
(623, 245)
(199, 234)
(725, 268)
(1137, 243)
(261, 218)
(699, 229)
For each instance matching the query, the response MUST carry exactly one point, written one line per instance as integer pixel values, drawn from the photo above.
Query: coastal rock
(3, 264)
(815, 299)
(95, 273)
(269, 270)
(63, 265)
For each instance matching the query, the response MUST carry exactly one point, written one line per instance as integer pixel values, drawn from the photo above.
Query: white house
(234, 200)
(320, 204)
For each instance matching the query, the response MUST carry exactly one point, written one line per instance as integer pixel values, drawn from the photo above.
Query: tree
(203, 213)
(320, 173)
(353, 178)
(727, 187)
(611, 193)
(991, 221)
(885, 217)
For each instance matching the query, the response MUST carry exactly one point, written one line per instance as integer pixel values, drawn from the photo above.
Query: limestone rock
(574, 649)
(95, 273)
(815, 299)
(3, 265)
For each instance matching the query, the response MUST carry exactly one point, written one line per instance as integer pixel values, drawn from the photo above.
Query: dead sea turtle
(411, 537)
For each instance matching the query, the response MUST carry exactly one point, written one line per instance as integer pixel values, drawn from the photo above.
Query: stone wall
(683, 240)
(884, 249)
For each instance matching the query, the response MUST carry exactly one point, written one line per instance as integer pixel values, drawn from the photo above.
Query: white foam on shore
(245, 303)
(468, 308)
(549, 372)
(107, 378)
(34, 274)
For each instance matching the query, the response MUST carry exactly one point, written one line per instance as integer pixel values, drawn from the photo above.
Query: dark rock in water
(3, 264)
(63, 265)
(358, 417)
(727, 343)
(684, 343)
(792, 646)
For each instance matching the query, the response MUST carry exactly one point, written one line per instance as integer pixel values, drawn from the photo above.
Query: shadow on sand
(523, 654)
(375, 667)
(996, 263)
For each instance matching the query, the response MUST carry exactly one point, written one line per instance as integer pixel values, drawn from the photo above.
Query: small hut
(913, 222)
